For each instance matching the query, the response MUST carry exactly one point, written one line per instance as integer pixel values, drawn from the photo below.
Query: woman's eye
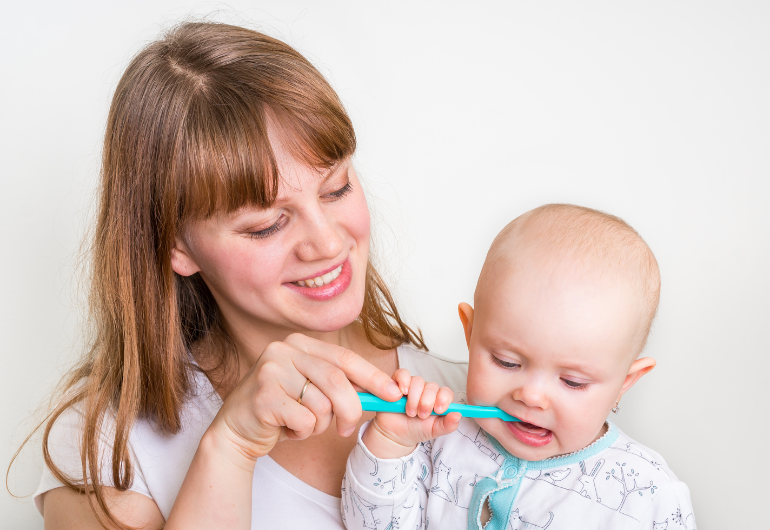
(269, 231)
(504, 364)
(575, 384)
(340, 193)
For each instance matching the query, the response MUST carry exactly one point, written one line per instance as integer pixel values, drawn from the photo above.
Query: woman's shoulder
(160, 460)
(430, 366)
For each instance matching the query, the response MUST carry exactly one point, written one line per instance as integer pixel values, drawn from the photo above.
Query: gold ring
(299, 399)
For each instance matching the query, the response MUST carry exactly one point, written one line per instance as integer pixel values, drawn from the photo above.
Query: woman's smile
(324, 285)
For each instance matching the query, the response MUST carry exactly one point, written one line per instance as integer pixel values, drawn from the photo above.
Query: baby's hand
(395, 435)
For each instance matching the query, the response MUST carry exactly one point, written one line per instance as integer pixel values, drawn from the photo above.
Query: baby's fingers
(427, 400)
(402, 377)
(443, 400)
(416, 386)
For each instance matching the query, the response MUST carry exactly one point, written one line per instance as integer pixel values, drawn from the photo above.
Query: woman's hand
(396, 435)
(263, 408)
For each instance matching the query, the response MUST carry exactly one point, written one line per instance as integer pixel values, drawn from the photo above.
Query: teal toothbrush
(375, 404)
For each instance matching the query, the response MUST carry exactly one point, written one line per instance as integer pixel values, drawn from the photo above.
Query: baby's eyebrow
(586, 369)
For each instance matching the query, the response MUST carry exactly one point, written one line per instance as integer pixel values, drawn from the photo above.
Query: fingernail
(348, 432)
(393, 389)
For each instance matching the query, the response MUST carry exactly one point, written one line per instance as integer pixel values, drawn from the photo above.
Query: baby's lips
(530, 434)
(532, 428)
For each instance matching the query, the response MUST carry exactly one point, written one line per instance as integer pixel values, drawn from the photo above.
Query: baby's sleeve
(64, 447)
(671, 508)
(385, 493)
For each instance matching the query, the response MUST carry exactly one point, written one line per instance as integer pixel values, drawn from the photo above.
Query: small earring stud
(616, 408)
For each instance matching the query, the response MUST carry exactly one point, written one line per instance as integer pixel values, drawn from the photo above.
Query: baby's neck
(602, 432)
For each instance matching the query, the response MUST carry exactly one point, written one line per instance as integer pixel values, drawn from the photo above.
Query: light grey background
(468, 114)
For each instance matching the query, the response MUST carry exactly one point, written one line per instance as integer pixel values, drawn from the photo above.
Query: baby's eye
(575, 384)
(504, 364)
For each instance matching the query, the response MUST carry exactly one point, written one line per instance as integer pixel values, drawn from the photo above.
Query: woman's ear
(466, 317)
(181, 260)
(638, 368)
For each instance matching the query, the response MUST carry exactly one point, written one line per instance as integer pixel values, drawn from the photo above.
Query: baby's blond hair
(593, 242)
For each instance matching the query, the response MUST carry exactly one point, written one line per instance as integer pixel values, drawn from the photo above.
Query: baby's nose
(532, 395)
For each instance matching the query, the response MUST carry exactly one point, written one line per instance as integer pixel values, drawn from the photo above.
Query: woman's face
(299, 265)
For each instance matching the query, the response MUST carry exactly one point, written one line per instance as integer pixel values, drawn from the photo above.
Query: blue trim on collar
(573, 458)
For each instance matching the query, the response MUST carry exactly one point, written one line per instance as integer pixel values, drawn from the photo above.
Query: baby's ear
(466, 317)
(638, 368)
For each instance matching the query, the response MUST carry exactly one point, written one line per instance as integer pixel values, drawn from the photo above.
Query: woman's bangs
(226, 161)
(316, 138)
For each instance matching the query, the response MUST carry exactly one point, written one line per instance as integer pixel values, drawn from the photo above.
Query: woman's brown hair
(186, 138)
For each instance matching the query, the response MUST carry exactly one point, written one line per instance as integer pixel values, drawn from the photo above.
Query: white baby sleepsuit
(614, 483)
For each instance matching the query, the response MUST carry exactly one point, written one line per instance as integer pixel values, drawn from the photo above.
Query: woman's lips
(530, 434)
(334, 287)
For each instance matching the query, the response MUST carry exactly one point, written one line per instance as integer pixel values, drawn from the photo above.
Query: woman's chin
(330, 319)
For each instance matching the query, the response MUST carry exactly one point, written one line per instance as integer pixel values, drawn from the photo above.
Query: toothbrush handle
(373, 403)
(473, 411)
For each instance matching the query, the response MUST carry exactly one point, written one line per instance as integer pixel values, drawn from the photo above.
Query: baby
(563, 308)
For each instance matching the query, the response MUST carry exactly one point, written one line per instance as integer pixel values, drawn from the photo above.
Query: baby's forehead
(564, 246)
(538, 274)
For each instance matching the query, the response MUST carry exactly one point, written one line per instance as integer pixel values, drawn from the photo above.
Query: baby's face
(553, 350)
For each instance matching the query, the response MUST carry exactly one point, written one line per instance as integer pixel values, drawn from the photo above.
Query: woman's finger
(355, 367)
(320, 406)
(334, 385)
(298, 420)
(416, 386)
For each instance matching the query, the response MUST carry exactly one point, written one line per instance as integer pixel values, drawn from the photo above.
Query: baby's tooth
(327, 277)
(310, 283)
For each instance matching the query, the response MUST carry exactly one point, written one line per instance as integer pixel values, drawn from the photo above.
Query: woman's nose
(532, 394)
(321, 239)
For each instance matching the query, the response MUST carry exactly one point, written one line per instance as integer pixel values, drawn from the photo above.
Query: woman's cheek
(360, 227)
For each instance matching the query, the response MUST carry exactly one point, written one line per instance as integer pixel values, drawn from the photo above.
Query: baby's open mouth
(529, 433)
(534, 429)
(320, 281)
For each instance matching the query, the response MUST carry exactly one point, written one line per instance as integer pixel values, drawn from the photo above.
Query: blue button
(511, 471)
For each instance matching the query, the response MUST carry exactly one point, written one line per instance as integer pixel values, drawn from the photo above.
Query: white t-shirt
(161, 461)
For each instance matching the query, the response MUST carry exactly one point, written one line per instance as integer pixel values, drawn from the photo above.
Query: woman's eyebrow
(324, 174)
(329, 172)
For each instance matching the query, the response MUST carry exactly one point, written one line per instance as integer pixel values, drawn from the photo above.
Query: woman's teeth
(320, 281)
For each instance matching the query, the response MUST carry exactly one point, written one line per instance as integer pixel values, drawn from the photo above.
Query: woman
(234, 304)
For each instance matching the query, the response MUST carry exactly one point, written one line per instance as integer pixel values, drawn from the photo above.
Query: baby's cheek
(480, 392)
